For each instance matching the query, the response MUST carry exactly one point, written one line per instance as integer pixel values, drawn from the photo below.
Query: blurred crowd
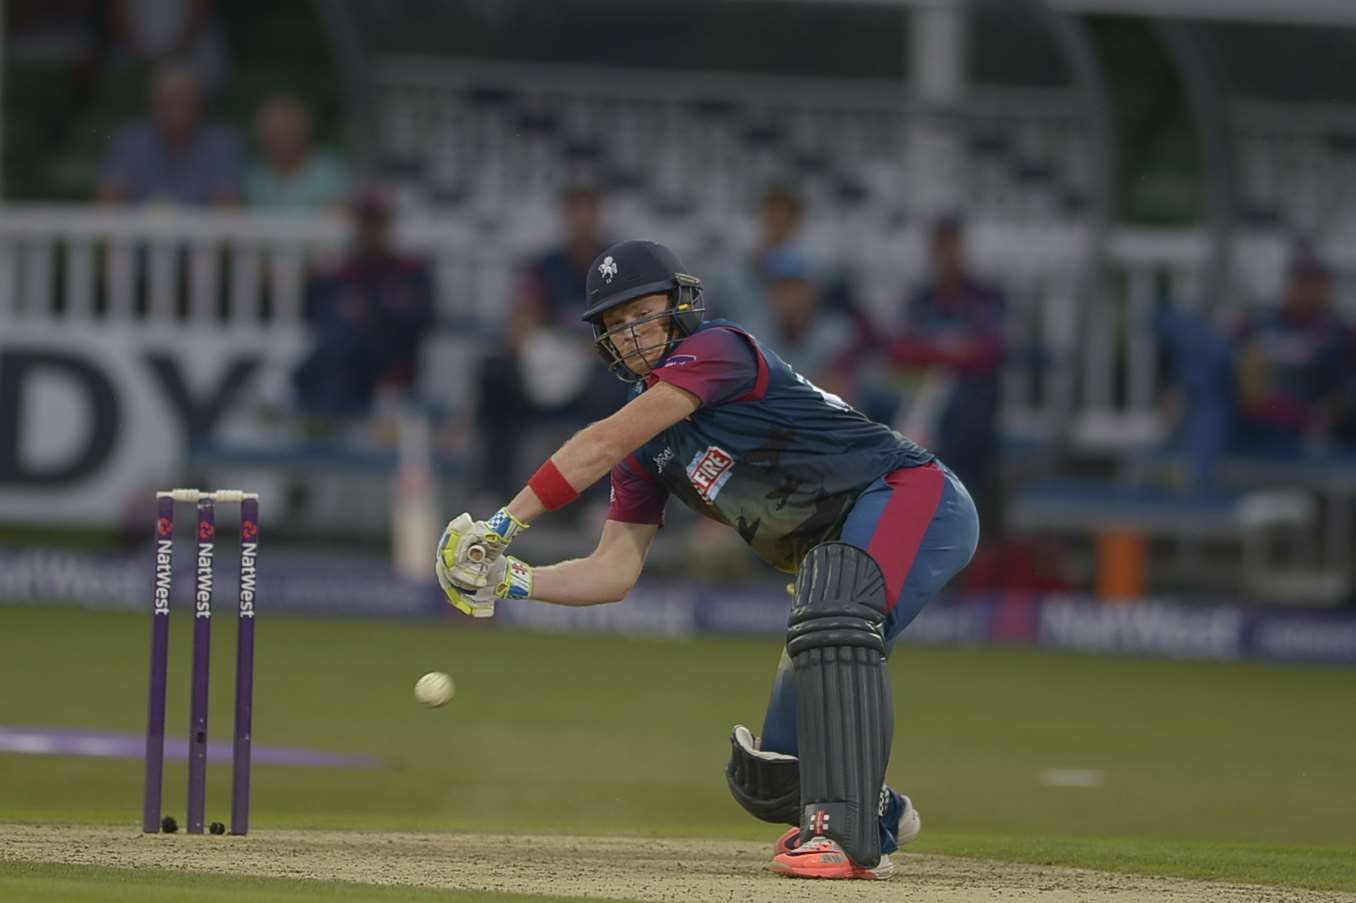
(371, 311)
(368, 311)
(177, 154)
(1281, 382)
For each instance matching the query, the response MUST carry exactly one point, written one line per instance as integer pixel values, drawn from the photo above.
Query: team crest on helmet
(608, 268)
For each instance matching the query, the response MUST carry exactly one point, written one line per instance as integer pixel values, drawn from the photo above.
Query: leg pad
(844, 715)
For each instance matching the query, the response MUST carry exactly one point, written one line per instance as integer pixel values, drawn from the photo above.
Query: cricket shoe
(820, 857)
(907, 824)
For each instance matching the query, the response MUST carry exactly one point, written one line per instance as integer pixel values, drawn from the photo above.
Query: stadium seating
(501, 141)
(1297, 168)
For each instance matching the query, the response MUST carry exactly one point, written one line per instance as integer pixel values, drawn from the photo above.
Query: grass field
(1232, 772)
(76, 884)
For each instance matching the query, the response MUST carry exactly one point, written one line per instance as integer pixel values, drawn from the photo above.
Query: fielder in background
(871, 524)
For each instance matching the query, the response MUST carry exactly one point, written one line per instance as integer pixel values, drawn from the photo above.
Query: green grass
(1251, 863)
(1229, 771)
(23, 881)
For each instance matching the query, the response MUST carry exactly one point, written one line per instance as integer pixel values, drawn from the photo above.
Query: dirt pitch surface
(613, 867)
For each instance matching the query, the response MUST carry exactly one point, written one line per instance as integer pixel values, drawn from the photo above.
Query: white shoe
(910, 825)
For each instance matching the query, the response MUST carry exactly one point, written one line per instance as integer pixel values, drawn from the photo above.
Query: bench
(1121, 518)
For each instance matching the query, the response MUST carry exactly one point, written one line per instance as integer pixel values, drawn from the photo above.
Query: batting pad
(844, 715)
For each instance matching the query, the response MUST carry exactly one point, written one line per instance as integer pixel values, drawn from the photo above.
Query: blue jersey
(767, 452)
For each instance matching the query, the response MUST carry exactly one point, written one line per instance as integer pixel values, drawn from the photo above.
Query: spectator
(156, 31)
(1291, 365)
(544, 374)
(742, 293)
(175, 157)
(368, 320)
(815, 341)
(291, 173)
(952, 346)
(1200, 358)
(1281, 381)
(554, 282)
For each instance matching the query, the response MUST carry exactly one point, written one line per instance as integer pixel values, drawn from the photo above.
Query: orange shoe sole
(783, 844)
(833, 866)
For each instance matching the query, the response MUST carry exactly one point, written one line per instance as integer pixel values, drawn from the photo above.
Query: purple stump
(202, 660)
(244, 669)
(160, 612)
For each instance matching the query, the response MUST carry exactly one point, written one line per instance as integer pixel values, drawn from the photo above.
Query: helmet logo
(608, 268)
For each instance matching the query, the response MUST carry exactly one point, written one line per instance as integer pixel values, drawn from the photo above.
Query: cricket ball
(434, 689)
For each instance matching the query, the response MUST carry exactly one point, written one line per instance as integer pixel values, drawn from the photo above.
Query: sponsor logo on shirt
(662, 459)
(709, 471)
(678, 360)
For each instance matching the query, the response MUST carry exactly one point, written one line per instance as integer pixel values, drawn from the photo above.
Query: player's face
(639, 330)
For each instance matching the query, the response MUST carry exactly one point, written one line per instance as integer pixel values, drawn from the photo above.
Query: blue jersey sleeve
(716, 365)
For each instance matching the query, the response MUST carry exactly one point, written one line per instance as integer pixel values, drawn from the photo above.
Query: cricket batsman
(871, 525)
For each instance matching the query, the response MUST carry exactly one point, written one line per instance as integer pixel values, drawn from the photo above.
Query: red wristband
(551, 487)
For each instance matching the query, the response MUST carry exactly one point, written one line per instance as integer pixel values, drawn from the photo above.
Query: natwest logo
(709, 470)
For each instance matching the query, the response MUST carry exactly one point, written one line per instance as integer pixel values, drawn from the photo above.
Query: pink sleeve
(716, 365)
(637, 497)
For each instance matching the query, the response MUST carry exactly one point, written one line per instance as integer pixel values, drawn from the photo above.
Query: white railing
(230, 269)
(119, 265)
(1082, 360)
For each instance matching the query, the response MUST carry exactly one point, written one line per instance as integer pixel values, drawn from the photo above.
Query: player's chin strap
(685, 312)
(618, 362)
(766, 784)
(844, 717)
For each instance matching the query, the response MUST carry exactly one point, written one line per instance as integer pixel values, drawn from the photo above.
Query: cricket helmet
(633, 269)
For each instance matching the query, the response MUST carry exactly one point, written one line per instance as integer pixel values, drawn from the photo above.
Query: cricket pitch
(628, 868)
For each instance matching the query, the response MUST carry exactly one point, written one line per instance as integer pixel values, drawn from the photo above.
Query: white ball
(434, 689)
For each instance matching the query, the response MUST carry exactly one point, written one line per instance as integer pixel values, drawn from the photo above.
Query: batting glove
(468, 547)
(507, 578)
